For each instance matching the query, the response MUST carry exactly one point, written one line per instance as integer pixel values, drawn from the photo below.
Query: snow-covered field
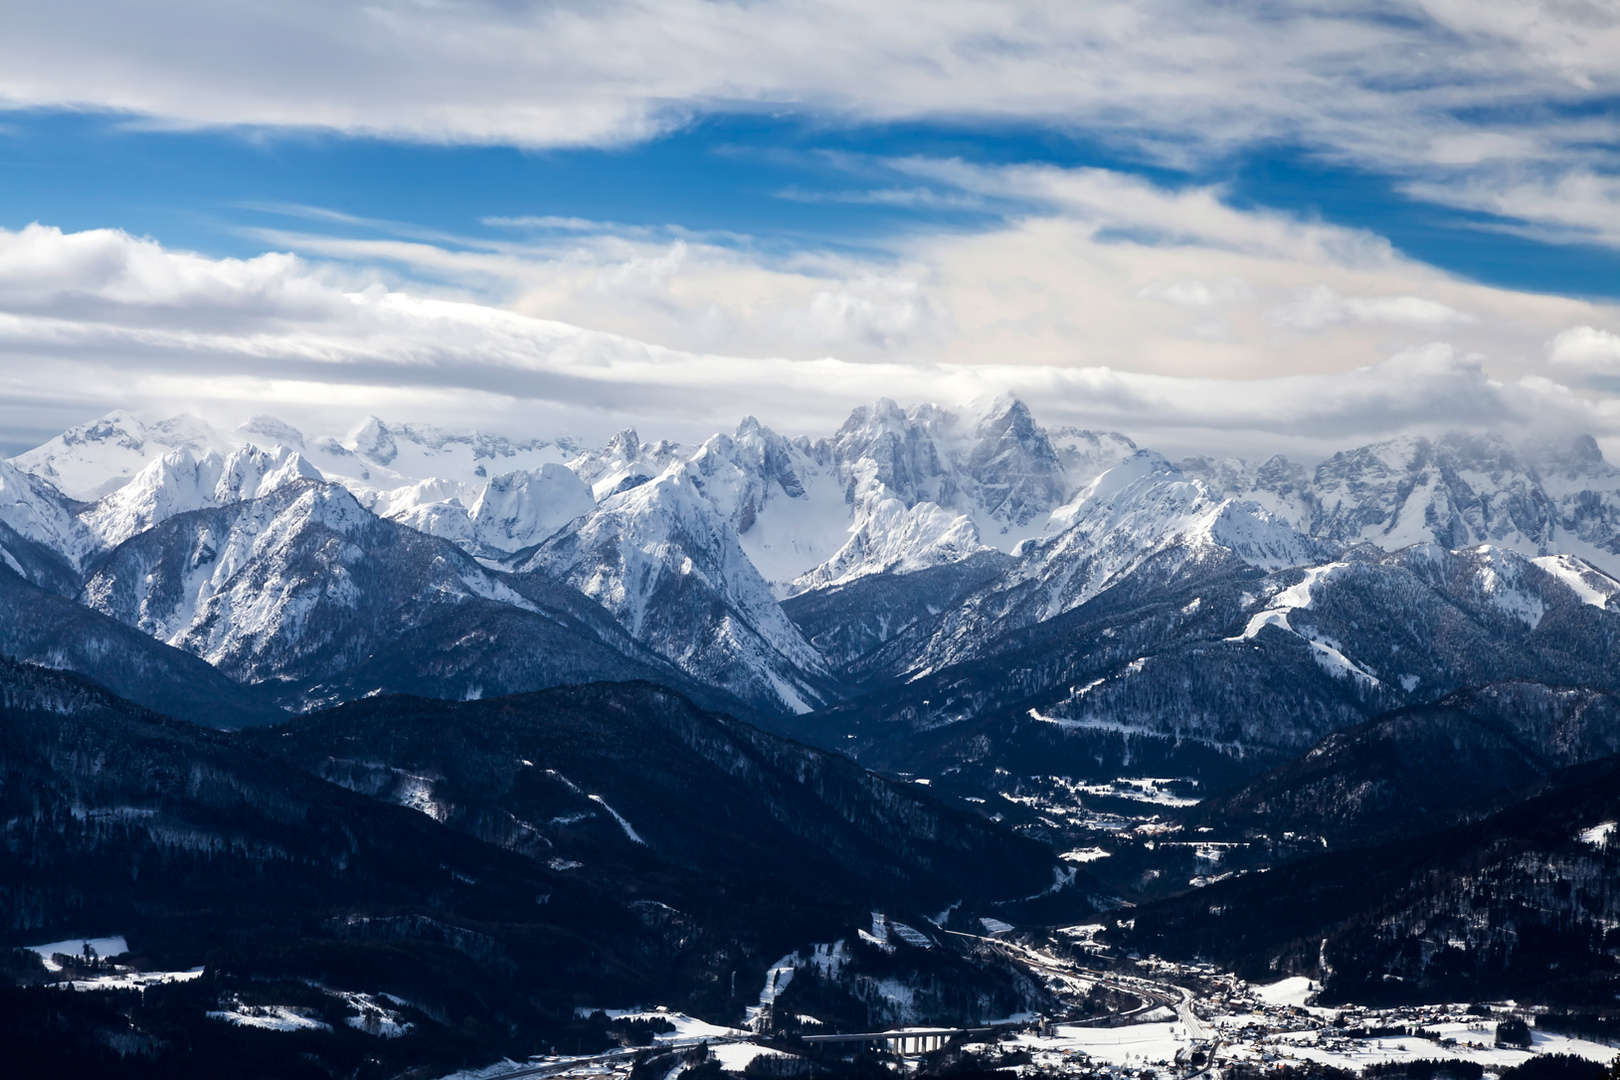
(270, 1017)
(99, 947)
(1136, 1044)
(135, 980)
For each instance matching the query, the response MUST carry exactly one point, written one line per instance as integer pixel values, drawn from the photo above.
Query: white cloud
(1101, 269)
(1586, 350)
(108, 320)
(1569, 204)
(1319, 307)
(1454, 95)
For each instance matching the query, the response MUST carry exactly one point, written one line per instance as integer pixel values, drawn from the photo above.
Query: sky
(1243, 228)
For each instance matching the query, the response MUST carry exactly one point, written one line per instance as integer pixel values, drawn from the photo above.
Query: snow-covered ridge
(893, 490)
(183, 480)
(691, 549)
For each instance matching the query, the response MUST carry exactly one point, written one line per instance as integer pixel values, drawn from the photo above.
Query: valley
(414, 752)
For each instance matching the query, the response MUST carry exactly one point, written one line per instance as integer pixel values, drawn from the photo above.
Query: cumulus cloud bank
(1089, 268)
(97, 319)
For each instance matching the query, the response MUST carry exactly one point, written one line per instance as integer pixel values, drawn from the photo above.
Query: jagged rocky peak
(489, 518)
(1017, 471)
(776, 457)
(671, 568)
(1570, 458)
(740, 474)
(1458, 490)
(625, 462)
(927, 485)
(990, 460)
(1282, 487)
(385, 456)
(884, 445)
(373, 441)
(182, 480)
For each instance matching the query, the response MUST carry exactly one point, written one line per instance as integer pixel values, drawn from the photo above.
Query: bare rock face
(671, 569)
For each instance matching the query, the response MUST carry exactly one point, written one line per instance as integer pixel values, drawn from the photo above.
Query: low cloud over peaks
(109, 320)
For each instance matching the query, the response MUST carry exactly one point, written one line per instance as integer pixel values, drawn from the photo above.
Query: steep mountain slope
(1521, 902)
(1224, 670)
(1142, 521)
(43, 627)
(664, 562)
(35, 562)
(788, 511)
(850, 621)
(1421, 767)
(38, 527)
(1142, 517)
(307, 592)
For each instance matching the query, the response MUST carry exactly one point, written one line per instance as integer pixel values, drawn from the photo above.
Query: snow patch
(1294, 598)
(1598, 835)
(777, 978)
(623, 824)
(1085, 855)
(270, 1017)
(1590, 586)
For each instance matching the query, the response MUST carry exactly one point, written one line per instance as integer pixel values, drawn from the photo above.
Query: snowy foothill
(373, 1015)
(120, 977)
(776, 980)
(735, 1057)
(1084, 855)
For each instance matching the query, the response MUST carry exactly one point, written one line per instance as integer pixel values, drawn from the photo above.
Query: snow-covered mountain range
(287, 559)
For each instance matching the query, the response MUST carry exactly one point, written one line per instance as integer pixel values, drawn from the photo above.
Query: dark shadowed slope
(1520, 903)
(42, 627)
(620, 776)
(1419, 768)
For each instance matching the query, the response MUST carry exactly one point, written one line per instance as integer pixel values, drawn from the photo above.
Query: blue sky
(1241, 226)
(775, 180)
